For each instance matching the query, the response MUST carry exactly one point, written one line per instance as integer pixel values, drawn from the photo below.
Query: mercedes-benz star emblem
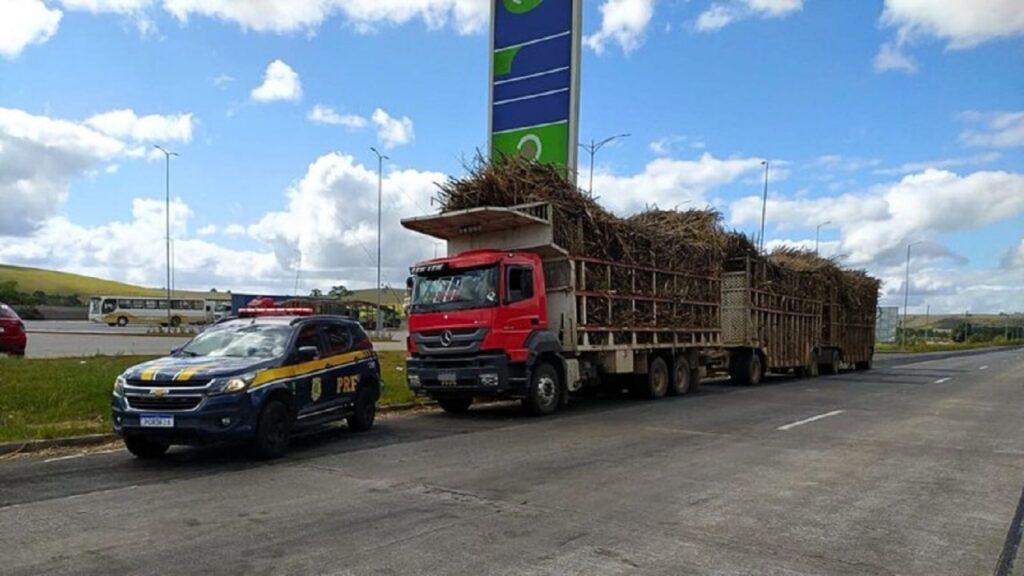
(446, 338)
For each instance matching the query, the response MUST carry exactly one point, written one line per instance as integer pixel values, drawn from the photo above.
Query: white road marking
(941, 380)
(983, 368)
(61, 458)
(809, 420)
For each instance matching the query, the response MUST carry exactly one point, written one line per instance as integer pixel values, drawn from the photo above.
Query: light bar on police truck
(254, 312)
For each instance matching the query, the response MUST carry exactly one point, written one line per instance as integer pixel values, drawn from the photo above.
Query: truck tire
(657, 381)
(745, 368)
(273, 431)
(865, 365)
(455, 404)
(830, 366)
(682, 378)
(365, 411)
(544, 395)
(811, 370)
(144, 448)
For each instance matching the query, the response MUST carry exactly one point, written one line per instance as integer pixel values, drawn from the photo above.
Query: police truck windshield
(246, 341)
(456, 290)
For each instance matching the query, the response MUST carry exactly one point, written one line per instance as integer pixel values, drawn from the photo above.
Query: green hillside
(53, 283)
(951, 321)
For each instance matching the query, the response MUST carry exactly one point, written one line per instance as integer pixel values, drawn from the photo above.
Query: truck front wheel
(545, 392)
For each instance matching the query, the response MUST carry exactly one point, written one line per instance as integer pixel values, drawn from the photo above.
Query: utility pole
(167, 155)
(593, 148)
(380, 198)
(298, 269)
(817, 235)
(906, 297)
(764, 205)
(928, 322)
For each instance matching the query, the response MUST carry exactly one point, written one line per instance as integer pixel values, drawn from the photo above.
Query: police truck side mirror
(307, 353)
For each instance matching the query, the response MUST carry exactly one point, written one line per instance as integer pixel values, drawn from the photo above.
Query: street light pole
(817, 235)
(764, 205)
(298, 269)
(167, 156)
(593, 148)
(380, 196)
(906, 296)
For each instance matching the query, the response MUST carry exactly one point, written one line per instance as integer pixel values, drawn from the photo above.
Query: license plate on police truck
(156, 421)
(448, 379)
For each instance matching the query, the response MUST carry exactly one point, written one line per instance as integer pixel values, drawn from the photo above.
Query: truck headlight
(119, 385)
(489, 379)
(414, 380)
(232, 385)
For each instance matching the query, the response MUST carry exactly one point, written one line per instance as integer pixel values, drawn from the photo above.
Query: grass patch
(53, 398)
(65, 284)
(917, 347)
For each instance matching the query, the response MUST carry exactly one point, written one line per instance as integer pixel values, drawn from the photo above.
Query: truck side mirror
(408, 283)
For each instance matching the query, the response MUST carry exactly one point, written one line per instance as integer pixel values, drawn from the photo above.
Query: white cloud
(331, 218)
(25, 22)
(961, 23)
(668, 182)
(721, 14)
(321, 114)
(235, 230)
(1014, 258)
(836, 162)
(665, 146)
(466, 16)
(126, 124)
(208, 230)
(943, 163)
(877, 225)
(890, 58)
(280, 82)
(393, 132)
(994, 129)
(222, 80)
(111, 6)
(623, 22)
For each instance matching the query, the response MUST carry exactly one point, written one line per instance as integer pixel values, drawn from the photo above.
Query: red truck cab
(478, 327)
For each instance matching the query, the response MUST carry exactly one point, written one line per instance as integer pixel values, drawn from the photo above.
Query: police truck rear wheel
(272, 431)
(365, 414)
(545, 391)
(144, 448)
(455, 405)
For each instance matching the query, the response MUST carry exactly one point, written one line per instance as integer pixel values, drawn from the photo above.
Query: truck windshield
(246, 341)
(456, 290)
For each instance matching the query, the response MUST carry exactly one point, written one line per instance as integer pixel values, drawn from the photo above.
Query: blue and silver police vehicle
(253, 379)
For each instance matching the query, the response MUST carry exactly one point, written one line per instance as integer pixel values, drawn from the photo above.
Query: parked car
(12, 332)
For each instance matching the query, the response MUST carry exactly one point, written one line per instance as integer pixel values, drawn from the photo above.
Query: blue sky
(895, 122)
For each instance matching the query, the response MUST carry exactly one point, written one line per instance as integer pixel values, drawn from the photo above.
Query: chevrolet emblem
(159, 392)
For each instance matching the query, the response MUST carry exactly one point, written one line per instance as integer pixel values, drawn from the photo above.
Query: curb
(29, 446)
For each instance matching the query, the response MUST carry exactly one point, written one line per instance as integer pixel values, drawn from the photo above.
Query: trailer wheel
(865, 365)
(544, 394)
(681, 378)
(745, 368)
(811, 370)
(831, 366)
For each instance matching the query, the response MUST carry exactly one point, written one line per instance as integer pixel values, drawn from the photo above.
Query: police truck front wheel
(545, 391)
(272, 431)
(145, 448)
(454, 404)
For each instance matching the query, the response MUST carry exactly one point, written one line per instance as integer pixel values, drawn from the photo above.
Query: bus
(125, 310)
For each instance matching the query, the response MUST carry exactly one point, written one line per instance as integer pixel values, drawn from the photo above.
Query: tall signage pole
(536, 48)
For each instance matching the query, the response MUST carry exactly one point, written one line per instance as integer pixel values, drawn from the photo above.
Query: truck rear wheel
(144, 448)
(830, 363)
(545, 393)
(745, 368)
(656, 384)
(454, 404)
(811, 370)
(865, 365)
(682, 381)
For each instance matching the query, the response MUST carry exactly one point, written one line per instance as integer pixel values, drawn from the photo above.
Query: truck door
(522, 314)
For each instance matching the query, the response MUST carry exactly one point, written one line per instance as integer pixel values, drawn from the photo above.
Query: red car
(12, 332)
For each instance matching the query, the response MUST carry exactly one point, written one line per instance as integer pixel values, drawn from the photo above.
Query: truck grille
(165, 403)
(457, 341)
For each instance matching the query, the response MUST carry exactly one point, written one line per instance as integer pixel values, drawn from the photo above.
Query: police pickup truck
(253, 379)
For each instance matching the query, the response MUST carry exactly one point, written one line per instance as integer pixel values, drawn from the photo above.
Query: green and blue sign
(535, 79)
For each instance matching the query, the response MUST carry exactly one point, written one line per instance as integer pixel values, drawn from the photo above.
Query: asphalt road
(914, 468)
(70, 339)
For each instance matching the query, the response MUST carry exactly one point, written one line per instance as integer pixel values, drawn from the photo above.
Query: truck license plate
(448, 379)
(156, 421)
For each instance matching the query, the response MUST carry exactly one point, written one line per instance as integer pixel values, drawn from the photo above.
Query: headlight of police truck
(232, 385)
(119, 385)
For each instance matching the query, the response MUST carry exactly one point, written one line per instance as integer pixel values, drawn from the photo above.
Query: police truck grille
(164, 403)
